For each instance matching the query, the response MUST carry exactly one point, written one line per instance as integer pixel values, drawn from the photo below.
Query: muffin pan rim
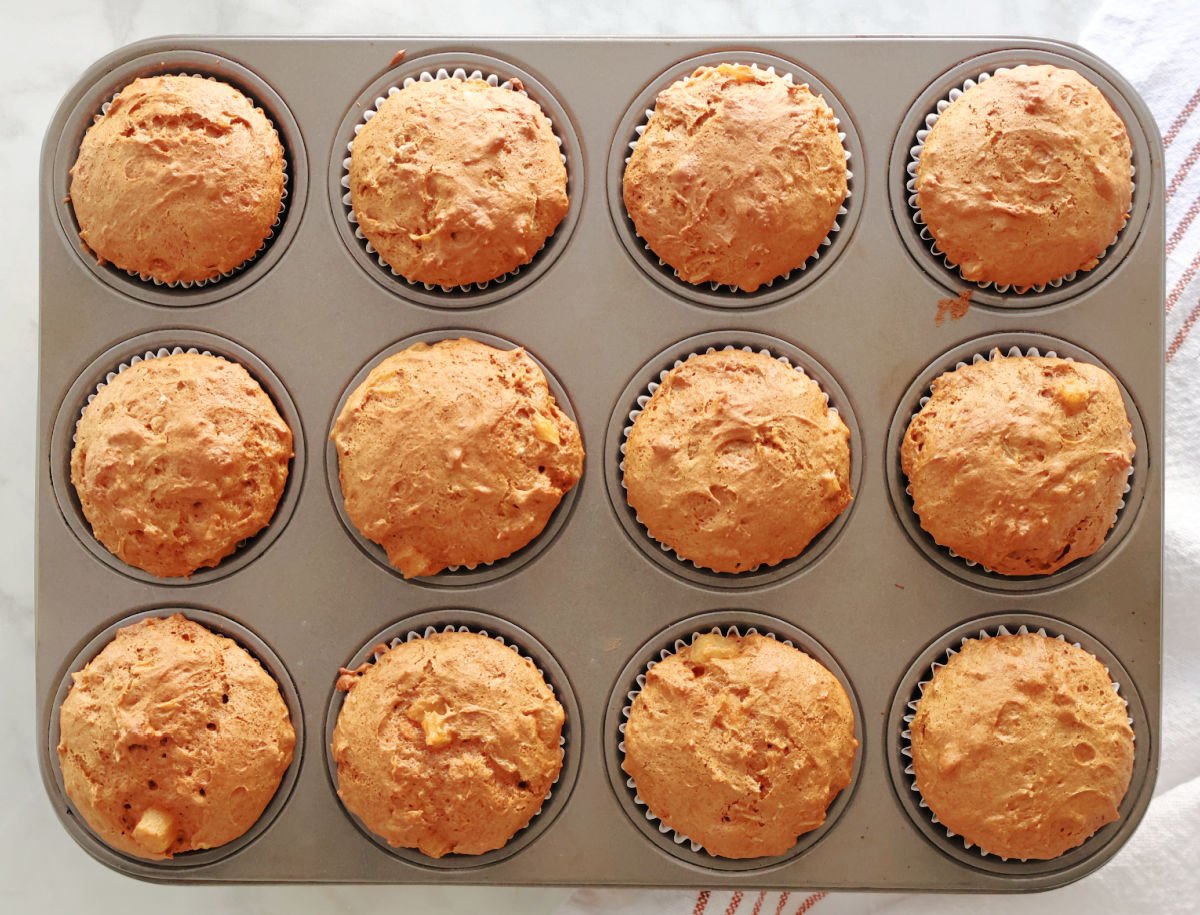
(626, 683)
(88, 98)
(1074, 860)
(259, 649)
(500, 288)
(976, 576)
(75, 401)
(800, 278)
(475, 620)
(1069, 291)
(483, 573)
(614, 440)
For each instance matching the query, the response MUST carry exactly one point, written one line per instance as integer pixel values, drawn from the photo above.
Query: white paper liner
(825, 242)
(677, 837)
(906, 733)
(210, 281)
(412, 636)
(643, 399)
(426, 76)
(914, 156)
(1016, 351)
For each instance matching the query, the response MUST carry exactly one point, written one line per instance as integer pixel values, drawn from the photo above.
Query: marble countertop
(50, 45)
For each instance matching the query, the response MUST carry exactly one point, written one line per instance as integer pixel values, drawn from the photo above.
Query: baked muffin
(448, 744)
(172, 739)
(177, 460)
(737, 178)
(1021, 745)
(1019, 463)
(740, 744)
(180, 181)
(454, 454)
(737, 461)
(1026, 178)
(457, 182)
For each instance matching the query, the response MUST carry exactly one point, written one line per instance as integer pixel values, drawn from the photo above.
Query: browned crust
(737, 178)
(1020, 463)
(448, 744)
(173, 717)
(177, 460)
(1021, 746)
(181, 180)
(454, 454)
(737, 461)
(1026, 177)
(743, 749)
(456, 182)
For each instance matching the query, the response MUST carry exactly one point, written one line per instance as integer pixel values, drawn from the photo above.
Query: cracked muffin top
(740, 743)
(737, 178)
(1026, 178)
(448, 744)
(172, 739)
(180, 180)
(454, 181)
(1019, 463)
(737, 461)
(454, 454)
(1022, 746)
(177, 460)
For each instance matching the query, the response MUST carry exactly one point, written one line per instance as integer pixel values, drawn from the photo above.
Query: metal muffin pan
(315, 313)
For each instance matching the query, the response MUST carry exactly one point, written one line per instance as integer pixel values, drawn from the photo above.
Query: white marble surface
(49, 44)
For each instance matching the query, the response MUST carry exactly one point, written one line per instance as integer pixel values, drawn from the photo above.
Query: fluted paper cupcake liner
(914, 156)
(211, 281)
(644, 398)
(677, 837)
(906, 733)
(825, 242)
(461, 73)
(1017, 352)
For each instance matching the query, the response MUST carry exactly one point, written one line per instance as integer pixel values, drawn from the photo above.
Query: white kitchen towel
(1156, 46)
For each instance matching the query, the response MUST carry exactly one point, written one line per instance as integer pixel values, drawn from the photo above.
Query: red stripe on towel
(758, 903)
(1184, 168)
(1177, 125)
(783, 898)
(701, 902)
(1181, 286)
(734, 903)
(1181, 229)
(810, 902)
(1183, 332)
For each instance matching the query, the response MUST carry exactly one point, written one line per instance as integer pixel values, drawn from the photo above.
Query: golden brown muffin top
(740, 744)
(457, 182)
(1022, 746)
(1026, 177)
(454, 454)
(181, 180)
(172, 739)
(177, 460)
(738, 176)
(737, 461)
(448, 744)
(1019, 463)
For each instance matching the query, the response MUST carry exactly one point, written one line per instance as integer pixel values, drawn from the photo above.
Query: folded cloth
(1154, 45)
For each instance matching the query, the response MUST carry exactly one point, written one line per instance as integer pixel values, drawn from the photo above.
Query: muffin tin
(314, 308)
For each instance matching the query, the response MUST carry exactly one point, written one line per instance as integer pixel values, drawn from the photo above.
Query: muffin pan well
(315, 308)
